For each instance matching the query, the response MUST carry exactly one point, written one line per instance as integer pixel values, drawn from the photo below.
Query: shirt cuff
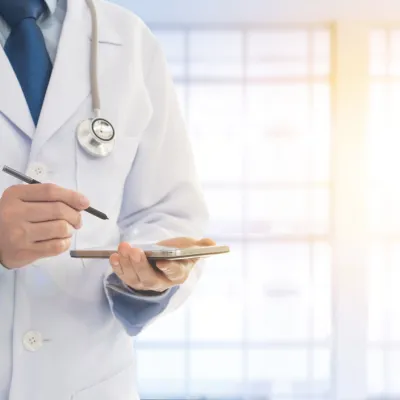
(134, 310)
(117, 285)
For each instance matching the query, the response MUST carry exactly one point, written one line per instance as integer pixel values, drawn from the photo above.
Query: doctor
(66, 324)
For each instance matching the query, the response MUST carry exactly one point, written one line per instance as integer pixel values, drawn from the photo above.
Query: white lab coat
(59, 339)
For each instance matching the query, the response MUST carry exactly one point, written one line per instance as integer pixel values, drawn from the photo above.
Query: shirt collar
(51, 5)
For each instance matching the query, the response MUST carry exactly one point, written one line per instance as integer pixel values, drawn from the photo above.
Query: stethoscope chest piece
(96, 137)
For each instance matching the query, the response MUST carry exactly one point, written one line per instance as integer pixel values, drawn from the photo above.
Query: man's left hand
(133, 268)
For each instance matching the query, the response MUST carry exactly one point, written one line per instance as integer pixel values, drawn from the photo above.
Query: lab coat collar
(78, 11)
(70, 81)
(12, 100)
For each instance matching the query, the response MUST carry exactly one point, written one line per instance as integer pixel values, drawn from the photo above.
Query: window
(257, 104)
(384, 214)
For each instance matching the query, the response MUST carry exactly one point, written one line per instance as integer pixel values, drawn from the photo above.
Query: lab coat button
(37, 171)
(33, 341)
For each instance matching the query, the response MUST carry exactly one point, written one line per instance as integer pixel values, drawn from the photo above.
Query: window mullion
(350, 110)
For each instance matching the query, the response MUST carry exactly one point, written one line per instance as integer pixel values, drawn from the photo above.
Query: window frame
(350, 82)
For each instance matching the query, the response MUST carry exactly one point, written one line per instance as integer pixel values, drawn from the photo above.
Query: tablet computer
(156, 252)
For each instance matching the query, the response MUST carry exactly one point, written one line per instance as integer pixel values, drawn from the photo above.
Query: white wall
(253, 11)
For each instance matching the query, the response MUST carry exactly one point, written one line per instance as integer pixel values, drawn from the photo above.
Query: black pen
(31, 181)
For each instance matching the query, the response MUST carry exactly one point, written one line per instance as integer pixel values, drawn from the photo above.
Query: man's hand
(37, 221)
(132, 267)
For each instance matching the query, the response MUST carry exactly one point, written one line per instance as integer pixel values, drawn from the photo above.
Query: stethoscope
(96, 136)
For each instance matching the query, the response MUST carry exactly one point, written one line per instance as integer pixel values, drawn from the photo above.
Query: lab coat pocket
(117, 387)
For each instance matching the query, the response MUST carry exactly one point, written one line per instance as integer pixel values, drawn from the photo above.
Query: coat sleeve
(162, 196)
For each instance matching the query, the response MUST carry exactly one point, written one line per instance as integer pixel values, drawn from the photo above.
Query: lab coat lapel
(12, 100)
(70, 81)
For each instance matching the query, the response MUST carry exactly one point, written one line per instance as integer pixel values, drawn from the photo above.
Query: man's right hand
(37, 221)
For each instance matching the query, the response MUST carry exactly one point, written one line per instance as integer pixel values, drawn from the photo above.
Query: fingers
(205, 242)
(133, 268)
(181, 242)
(176, 271)
(50, 230)
(51, 248)
(37, 221)
(184, 242)
(135, 263)
(42, 212)
(115, 263)
(48, 192)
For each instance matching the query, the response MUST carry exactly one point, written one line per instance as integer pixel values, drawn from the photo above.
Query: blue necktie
(26, 50)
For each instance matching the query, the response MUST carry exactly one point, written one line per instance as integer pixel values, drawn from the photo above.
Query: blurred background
(293, 109)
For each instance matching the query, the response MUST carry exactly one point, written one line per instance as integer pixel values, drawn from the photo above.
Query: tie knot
(14, 11)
